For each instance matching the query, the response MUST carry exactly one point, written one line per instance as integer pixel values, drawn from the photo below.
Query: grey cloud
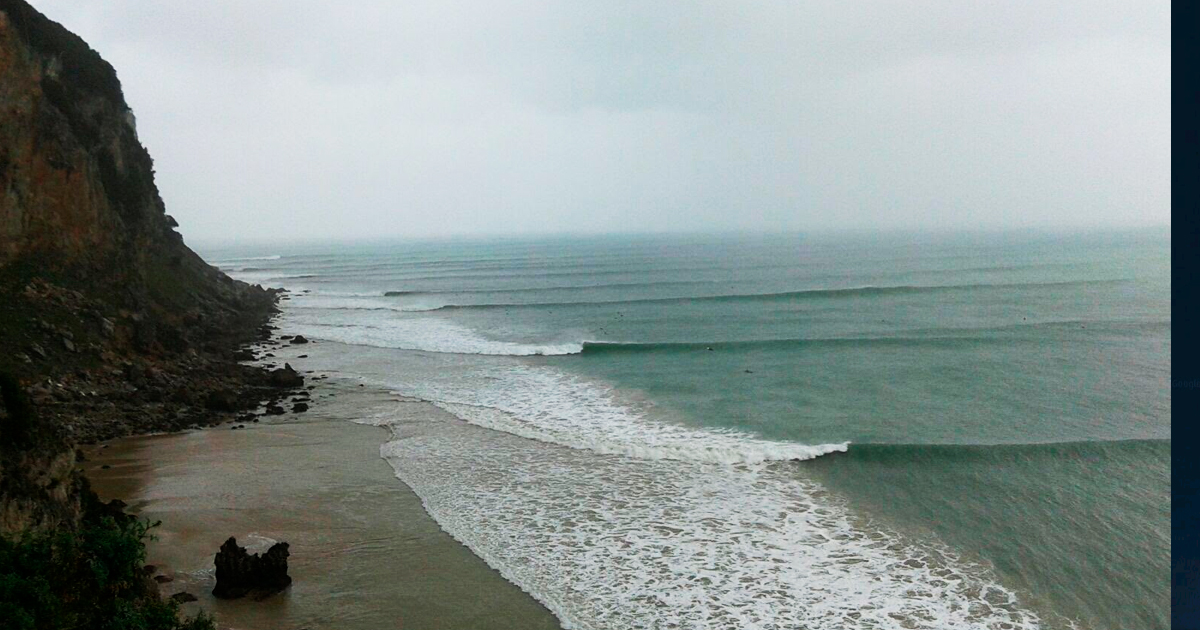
(365, 118)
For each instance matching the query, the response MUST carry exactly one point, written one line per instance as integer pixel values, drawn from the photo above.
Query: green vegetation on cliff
(90, 577)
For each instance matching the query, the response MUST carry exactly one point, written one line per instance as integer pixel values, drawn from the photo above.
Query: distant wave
(1002, 453)
(245, 259)
(796, 295)
(559, 287)
(587, 272)
(423, 335)
(434, 335)
(292, 276)
(942, 337)
(605, 347)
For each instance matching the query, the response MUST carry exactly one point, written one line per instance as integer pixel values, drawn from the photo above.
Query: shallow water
(902, 431)
(363, 553)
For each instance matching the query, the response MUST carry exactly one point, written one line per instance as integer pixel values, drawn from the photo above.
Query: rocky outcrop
(39, 486)
(107, 319)
(240, 574)
(286, 376)
(86, 247)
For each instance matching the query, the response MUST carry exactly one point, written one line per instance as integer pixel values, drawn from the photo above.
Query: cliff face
(78, 204)
(108, 321)
(78, 186)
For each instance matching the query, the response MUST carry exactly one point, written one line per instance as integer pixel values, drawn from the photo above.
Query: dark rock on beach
(286, 377)
(240, 573)
(299, 339)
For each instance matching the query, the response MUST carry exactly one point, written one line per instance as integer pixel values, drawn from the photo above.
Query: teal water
(1004, 395)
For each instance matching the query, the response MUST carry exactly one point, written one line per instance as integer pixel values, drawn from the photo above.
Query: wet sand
(364, 554)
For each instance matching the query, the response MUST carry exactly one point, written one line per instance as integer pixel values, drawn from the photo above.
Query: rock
(274, 410)
(222, 400)
(240, 573)
(299, 407)
(107, 327)
(163, 579)
(36, 349)
(243, 355)
(299, 339)
(184, 395)
(286, 377)
(303, 356)
(183, 597)
(68, 344)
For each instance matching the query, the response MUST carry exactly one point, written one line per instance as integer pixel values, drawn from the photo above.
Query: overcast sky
(310, 118)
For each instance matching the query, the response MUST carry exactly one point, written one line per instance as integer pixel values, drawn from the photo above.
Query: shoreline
(365, 553)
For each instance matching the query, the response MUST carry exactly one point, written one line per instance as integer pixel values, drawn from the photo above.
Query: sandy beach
(364, 554)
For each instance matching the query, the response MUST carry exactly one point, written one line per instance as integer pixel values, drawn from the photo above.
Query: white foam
(426, 334)
(545, 404)
(256, 543)
(611, 542)
(614, 519)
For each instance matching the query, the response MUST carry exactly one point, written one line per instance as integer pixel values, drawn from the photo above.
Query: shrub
(85, 578)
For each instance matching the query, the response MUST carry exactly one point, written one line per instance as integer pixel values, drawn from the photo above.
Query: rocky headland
(109, 324)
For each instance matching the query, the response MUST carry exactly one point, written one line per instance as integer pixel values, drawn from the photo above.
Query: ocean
(903, 430)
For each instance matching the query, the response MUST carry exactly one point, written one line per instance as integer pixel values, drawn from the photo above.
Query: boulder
(299, 407)
(240, 573)
(183, 597)
(299, 339)
(286, 377)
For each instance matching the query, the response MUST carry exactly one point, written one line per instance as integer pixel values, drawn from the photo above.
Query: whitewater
(771, 432)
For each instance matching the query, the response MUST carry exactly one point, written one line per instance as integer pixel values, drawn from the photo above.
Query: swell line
(794, 295)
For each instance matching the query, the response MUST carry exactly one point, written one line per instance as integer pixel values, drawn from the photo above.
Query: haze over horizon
(315, 119)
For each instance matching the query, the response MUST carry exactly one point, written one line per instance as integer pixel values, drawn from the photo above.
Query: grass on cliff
(90, 577)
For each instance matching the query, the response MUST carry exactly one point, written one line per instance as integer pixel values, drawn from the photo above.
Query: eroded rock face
(240, 573)
(107, 319)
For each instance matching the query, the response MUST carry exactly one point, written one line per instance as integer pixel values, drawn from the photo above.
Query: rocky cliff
(107, 319)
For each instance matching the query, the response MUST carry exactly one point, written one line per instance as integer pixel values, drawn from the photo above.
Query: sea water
(774, 431)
